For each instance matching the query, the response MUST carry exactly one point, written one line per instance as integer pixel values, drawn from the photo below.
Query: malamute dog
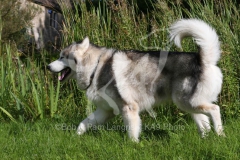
(128, 82)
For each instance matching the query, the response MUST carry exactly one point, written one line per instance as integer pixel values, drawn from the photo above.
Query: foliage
(15, 19)
(29, 92)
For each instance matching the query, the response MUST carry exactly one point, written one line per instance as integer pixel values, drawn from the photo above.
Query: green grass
(33, 103)
(45, 139)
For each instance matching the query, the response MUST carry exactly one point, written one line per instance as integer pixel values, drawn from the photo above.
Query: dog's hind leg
(203, 123)
(213, 111)
(132, 120)
(98, 117)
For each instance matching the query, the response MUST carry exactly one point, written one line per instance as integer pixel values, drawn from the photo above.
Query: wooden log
(53, 4)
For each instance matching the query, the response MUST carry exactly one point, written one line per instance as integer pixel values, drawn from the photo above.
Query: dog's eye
(61, 57)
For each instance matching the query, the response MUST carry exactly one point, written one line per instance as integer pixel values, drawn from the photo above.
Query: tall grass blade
(36, 99)
(8, 114)
(54, 95)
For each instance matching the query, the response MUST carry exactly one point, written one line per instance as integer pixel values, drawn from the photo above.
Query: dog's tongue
(62, 75)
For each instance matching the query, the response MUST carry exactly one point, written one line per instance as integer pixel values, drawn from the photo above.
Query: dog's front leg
(100, 116)
(132, 120)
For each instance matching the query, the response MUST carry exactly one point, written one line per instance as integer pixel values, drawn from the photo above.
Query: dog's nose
(49, 67)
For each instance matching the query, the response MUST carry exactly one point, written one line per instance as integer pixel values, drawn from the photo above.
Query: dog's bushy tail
(204, 35)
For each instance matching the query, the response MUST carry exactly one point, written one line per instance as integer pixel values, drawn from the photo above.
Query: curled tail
(204, 35)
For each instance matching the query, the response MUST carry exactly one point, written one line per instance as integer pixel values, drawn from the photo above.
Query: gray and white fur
(128, 82)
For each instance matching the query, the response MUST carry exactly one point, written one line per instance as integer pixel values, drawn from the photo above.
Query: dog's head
(70, 60)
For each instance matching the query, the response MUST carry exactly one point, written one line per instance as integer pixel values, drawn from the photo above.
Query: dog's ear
(83, 46)
(85, 43)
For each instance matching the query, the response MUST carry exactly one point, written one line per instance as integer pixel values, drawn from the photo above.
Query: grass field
(51, 139)
(39, 115)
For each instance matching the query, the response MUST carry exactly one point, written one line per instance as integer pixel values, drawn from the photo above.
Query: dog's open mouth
(64, 74)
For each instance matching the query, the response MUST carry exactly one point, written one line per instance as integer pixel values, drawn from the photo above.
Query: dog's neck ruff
(93, 73)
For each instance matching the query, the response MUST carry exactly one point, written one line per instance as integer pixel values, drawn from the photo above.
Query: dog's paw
(81, 129)
(135, 140)
(80, 132)
(221, 134)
